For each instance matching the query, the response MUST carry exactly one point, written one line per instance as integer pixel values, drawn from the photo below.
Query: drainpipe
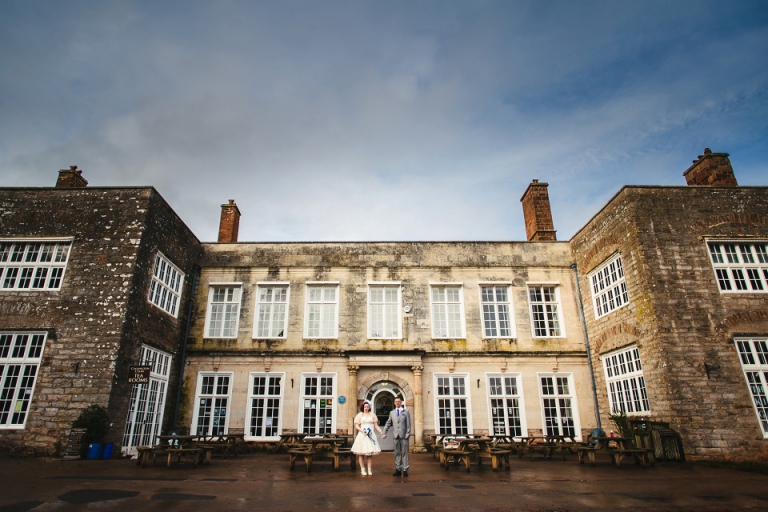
(589, 351)
(195, 276)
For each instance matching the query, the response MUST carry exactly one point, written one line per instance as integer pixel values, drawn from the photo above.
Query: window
(271, 311)
(609, 288)
(33, 265)
(452, 405)
(322, 314)
(212, 399)
(20, 355)
(223, 311)
(740, 266)
(558, 404)
(384, 311)
(145, 412)
(545, 311)
(506, 401)
(447, 312)
(264, 415)
(626, 384)
(318, 391)
(754, 360)
(495, 302)
(165, 289)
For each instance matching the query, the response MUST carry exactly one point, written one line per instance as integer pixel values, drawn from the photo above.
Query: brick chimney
(229, 223)
(537, 213)
(71, 178)
(711, 170)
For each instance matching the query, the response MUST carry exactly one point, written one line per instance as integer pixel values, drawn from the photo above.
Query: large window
(558, 405)
(33, 265)
(317, 404)
(212, 404)
(265, 400)
(20, 355)
(753, 353)
(384, 311)
(322, 312)
(496, 304)
(223, 311)
(271, 310)
(609, 288)
(447, 311)
(165, 289)
(145, 412)
(452, 405)
(545, 311)
(626, 384)
(505, 398)
(740, 266)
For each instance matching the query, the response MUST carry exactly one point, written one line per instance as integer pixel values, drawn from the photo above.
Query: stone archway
(364, 386)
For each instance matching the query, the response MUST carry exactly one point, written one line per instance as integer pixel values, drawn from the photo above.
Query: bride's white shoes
(362, 472)
(370, 472)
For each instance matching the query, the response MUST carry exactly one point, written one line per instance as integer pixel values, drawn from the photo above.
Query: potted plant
(95, 420)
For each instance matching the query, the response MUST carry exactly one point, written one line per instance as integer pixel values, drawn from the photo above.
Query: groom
(399, 420)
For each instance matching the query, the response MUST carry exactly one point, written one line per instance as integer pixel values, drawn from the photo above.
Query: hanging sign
(138, 375)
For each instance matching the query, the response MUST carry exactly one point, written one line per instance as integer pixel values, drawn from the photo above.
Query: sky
(381, 121)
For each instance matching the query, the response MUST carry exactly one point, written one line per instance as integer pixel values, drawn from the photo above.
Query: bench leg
(292, 460)
(308, 460)
(495, 462)
(335, 462)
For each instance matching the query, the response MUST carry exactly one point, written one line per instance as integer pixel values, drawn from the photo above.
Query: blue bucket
(107, 451)
(94, 451)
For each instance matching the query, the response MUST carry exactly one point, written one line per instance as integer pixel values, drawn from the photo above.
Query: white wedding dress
(365, 444)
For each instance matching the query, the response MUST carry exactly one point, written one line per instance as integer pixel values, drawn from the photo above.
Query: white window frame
(166, 286)
(270, 310)
(441, 308)
(505, 395)
(493, 308)
(22, 352)
(451, 428)
(215, 397)
(33, 264)
(265, 417)
(740, 266)
(609, 286)
(547, 305)
(753, 355)
(333, 333)
(558, 396)
(320, 398)
(227, 313)
(387, 311)
(625, 381)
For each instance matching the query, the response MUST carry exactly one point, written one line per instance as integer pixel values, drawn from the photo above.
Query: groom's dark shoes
(396, 473)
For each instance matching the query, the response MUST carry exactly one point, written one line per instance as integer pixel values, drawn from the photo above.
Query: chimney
(537, 213)
(711, 170)
(229, 223)
(71, 178)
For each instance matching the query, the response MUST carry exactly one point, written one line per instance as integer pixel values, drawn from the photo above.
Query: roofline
(339, 242)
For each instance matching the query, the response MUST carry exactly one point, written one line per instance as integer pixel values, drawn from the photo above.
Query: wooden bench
(494, 455)
(179, 453)
(464, 456)
(338, 453)
(642, 456)
(142, 455)
(307, 453)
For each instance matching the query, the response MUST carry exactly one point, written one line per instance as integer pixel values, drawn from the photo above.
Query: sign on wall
(138, 375)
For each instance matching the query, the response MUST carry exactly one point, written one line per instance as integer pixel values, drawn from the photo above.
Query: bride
(365, 445)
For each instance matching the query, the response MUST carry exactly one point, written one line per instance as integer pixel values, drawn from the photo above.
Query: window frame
(432, 305)
(209, 310)
(757, 365)
(618, 359)
(510, 310)
(156, 281)
(558, 311)
(24, 362)
(725, 271)
(34, 267)
(257, 307)
(572, 396)
(520, 397)
(304, 397)
(214, 396)
(467, 396)
(398, 309)
(249, 405)
(322, 301)
(609, 283)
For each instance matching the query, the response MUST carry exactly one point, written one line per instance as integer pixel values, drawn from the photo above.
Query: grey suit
(401, 425)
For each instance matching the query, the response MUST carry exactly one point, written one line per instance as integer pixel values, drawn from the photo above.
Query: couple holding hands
(365, 445)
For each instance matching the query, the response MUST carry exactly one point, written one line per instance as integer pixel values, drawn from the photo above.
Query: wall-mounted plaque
(138, 375)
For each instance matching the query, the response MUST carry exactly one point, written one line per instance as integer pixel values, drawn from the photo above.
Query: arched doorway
(382, 396)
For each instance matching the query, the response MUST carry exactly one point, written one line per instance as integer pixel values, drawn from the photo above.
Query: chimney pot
(71, 178)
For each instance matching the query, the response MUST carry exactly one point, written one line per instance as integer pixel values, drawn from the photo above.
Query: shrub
(96, 420)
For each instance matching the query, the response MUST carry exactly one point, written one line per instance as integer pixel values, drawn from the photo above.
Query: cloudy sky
(386, 120)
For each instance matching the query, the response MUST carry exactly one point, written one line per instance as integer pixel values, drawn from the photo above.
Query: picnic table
(312, 444)
(172, 446)
(231, 441)
(547, 445)
(464, 449)
(617, 448)
(289, 439)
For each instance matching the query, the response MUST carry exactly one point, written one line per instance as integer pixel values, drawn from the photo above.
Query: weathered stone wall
(677, 316)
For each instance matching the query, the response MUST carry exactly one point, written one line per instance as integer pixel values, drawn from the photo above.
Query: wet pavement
(263, 481)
